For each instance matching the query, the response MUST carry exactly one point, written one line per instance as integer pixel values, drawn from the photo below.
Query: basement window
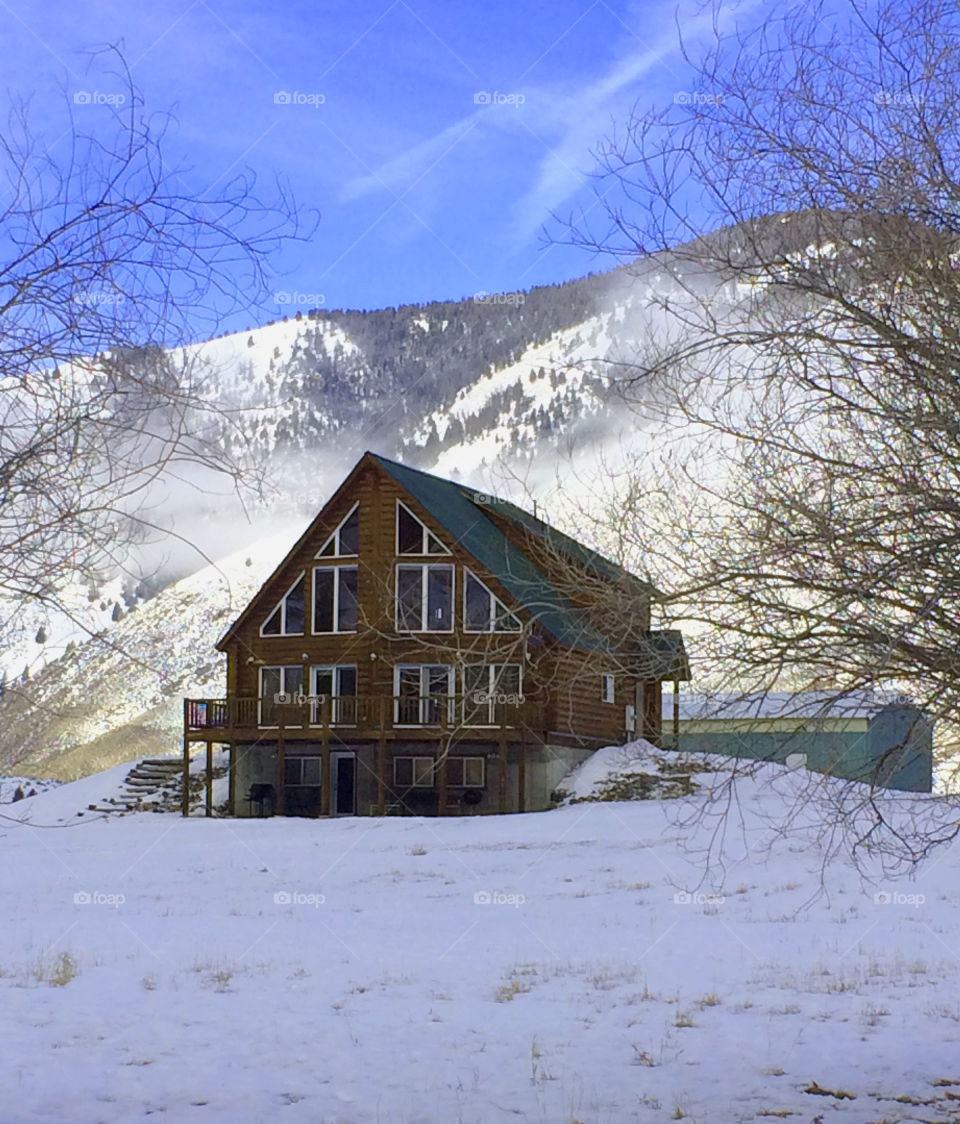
(413, 772)
(300, 772)
(465, 772)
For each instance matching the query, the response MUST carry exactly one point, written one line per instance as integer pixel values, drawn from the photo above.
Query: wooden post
(522, 771)
(185, 797)
(325, 758)
(676, 714)
(444, 752)
(232, 797)
(185, 794)
(503, 767)
(382, 758)
(209, 800)
(281, 764)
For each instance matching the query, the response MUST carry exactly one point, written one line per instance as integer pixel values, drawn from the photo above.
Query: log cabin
(426, 649)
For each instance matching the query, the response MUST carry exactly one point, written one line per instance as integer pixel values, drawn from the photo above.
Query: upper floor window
(335, 599)
(491, 692)
(278, 685)
(482, 612)
(425, 598)
(345, 540)
(413, 537)
(607, 688)
(289, 616)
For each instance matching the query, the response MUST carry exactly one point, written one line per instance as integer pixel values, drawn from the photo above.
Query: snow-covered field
(573, 965)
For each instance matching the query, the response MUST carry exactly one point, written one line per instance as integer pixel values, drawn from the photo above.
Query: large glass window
(339, 683)
(482, 612)
(278, 686)
(421, 692)
(424, 598)
(289, 616)
(491, 693)
(335, 599)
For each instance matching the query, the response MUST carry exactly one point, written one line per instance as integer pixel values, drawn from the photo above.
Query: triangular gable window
(345, 540)
(483, 611)
(413, 537)
(289, 616)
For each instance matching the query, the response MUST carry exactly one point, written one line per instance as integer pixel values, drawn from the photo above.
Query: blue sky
(435, 139)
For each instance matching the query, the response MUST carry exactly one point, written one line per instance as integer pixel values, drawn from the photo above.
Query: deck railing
(369, 713)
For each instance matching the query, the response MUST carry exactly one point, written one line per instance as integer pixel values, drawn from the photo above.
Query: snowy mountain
(507, 392)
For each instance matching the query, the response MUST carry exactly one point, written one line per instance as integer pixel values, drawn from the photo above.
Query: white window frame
(490, 689)
(423, 692)
(336, 601)
(336, 716)
(301, 760)
(424, 595)
(608, 688)
(426, 535)
(461, 762)
(337, 552)
(414, 758)
(493, 602)
(282, 606)
(283, 669)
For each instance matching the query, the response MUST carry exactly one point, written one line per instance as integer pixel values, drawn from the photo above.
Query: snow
(575, 965)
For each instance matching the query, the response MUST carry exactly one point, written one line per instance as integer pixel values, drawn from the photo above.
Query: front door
(343, 784)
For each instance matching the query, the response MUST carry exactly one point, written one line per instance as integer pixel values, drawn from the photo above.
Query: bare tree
(793, 219)
(110, 266)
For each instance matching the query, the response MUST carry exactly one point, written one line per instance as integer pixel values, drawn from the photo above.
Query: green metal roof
(453, 507)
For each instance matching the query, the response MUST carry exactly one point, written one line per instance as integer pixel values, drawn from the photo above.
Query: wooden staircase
(155, 784)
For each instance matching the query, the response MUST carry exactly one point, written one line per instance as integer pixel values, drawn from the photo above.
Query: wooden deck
(380, 720)
(306, 717)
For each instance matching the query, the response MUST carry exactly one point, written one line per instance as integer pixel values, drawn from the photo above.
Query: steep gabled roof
(470, 524)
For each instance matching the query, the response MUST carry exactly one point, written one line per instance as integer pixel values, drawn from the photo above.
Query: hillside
(120, 696)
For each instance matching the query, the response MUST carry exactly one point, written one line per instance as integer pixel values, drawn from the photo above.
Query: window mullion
(424, 599)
